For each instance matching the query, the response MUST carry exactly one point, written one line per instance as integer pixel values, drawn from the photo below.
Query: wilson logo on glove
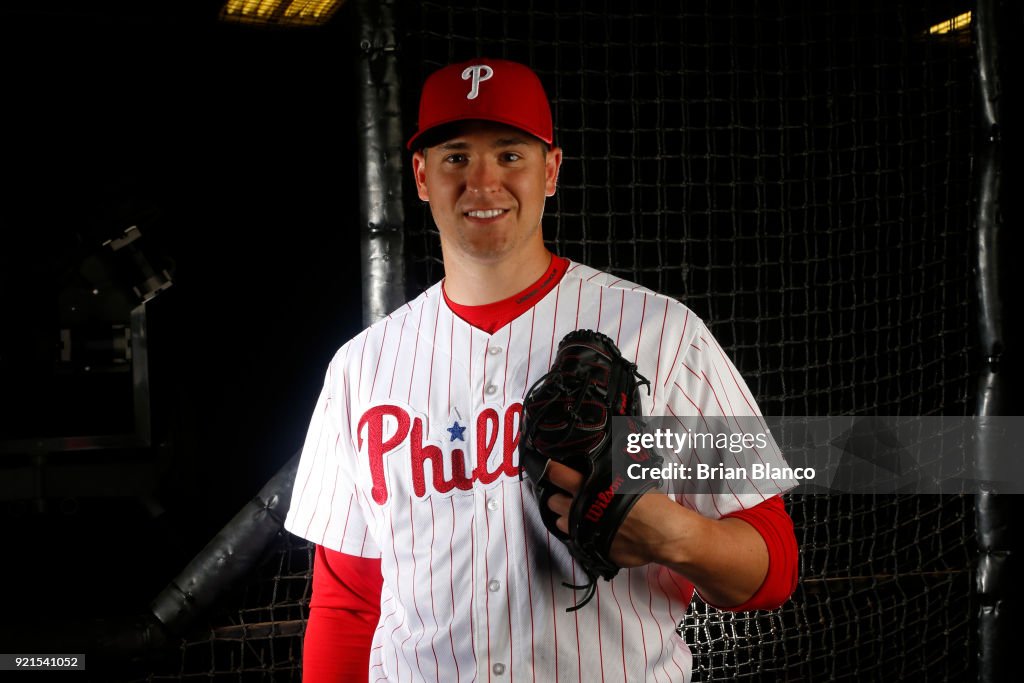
(604, 499)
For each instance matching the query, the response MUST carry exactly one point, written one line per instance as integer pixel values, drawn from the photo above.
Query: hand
(725, 559)
(652, 532)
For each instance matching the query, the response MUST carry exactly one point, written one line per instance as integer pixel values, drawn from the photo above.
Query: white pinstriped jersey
(411, 457)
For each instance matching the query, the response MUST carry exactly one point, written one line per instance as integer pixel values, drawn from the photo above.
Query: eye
(512, 156)
(455, 158)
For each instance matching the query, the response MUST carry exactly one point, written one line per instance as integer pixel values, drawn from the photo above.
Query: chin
(485, 250)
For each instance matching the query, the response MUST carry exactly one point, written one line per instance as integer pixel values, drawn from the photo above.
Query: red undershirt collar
(494, 316)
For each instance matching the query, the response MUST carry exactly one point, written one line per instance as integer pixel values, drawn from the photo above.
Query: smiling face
(486, 185)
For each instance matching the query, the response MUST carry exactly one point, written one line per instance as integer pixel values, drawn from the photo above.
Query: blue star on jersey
(457, 432)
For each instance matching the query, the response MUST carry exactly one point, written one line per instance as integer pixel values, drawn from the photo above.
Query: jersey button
(493, 586)
(498, 669)
(491, 389)
(492, 504)
(494, 350)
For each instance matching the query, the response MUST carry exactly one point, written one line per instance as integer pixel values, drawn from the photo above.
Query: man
(432, 560)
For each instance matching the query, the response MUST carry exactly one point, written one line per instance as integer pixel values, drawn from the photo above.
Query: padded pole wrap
(230, 556)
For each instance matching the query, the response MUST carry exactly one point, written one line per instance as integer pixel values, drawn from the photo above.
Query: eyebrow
(500, 142)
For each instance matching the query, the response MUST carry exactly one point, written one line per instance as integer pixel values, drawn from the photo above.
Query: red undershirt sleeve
(776, 528)
(343, 615)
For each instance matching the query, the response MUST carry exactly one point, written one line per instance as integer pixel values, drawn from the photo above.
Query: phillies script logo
(408, 430)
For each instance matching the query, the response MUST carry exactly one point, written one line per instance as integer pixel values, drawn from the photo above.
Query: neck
(475, 284)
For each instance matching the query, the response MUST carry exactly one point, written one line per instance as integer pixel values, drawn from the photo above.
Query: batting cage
(811, 179)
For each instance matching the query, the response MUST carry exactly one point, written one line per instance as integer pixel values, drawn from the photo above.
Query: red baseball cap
(487, 90)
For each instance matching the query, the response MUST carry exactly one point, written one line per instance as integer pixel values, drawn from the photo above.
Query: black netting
(799, 174)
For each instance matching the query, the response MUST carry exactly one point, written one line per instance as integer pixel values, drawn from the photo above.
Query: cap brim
(434, 126)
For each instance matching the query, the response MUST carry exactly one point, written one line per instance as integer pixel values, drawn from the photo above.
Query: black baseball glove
(567, 418)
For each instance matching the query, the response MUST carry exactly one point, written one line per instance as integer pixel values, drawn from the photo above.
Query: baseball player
(432, 561)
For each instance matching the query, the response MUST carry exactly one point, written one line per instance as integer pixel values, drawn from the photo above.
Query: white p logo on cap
(478, 73)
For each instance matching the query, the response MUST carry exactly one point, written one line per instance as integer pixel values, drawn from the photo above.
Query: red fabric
(493, 317)
(776, 528)
(486, 90)
(344, 611)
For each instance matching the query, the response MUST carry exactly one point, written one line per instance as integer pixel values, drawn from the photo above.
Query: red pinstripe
(472, 600)
(728, 483)
(640, 333)
(430, 376)
(554, 325)
(451, 356)
(679, 346)
(579, 295)
(622, 314)
(415, 602)
(334, 490)
(348, 513)
(508, 598)
(654, 620)
(487, 592)
(692, 371)
(661, 573)
(554, 606)
(398, 595)
(529, 584)
(384, 338)
(629, 592)
(657, 364)
(415, 348)
(576, 625)
(451, 579)
(622, 632)
(504, 379)
(600, 640)
(322, 461)
(693, 452)
(529, 352)
(736, 422)
(362, 546)
(398, 355)
(302, 492)
(362, 362)
(739, 386)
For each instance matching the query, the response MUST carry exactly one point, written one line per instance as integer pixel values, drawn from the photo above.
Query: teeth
(490, 213)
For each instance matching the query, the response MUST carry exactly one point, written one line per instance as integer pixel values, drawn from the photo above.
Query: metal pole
(992, 512)
(380, 139)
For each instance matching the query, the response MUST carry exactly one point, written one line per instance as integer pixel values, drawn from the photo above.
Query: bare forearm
(726, 559)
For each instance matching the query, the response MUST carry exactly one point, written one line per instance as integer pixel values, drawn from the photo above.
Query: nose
(484, 175)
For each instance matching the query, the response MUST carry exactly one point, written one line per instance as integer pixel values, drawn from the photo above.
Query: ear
(552, 163)
(419, 174)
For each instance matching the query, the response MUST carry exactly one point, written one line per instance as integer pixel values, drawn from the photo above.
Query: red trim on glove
(776, 528)
(343, 615)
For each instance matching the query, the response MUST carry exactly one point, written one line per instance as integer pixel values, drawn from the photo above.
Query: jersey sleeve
(771, 520)
(343, 615)
(707, 395)
(327, 505)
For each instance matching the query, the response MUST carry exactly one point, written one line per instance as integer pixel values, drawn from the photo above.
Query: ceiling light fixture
(958, 23)
(280, 12)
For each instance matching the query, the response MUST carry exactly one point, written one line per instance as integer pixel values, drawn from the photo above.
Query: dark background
(233, 150)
